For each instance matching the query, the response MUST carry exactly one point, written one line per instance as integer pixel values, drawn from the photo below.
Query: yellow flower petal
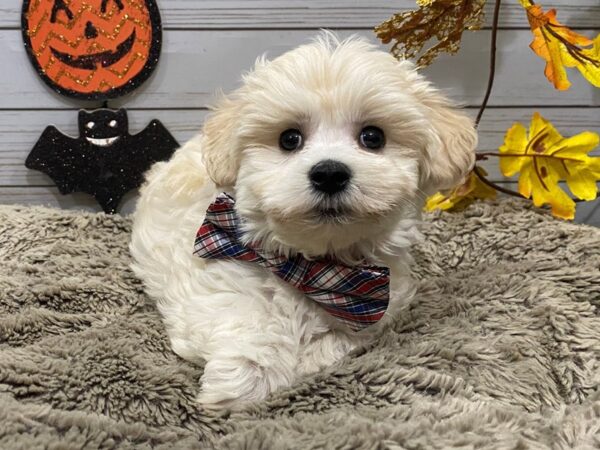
(542, 134)
(439, 201)
(594, 167)
(583, 185)
(563, 206)
(547, 193)
(576, 147)
(461, 196)
(591, 70)
(525, 185)
(565, 32)
(549, 158)
(562, 47)
(549, 49)
(515, 141)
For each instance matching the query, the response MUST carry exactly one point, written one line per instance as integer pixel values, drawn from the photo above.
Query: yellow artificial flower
(462, 196)
(561, 47)
(544, 158)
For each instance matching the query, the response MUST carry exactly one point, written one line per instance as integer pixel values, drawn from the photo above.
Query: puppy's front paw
(324, 351)
(233, 382)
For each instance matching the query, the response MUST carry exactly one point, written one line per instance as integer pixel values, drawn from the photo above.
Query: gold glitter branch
(440, 20)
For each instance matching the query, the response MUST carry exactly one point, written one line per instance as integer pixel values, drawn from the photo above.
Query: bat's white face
(103, 127)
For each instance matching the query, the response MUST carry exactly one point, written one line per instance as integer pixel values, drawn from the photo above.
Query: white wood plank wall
(209, 43)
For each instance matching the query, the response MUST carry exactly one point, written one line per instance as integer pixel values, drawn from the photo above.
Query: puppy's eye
(290, 140)
(372, 138)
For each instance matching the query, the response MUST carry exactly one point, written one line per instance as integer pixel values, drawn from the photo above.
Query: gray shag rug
(500, 349)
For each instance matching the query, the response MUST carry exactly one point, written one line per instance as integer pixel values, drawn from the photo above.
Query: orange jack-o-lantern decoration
(92, 49)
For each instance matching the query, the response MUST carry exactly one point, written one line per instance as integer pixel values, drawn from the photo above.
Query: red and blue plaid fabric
(357, 296)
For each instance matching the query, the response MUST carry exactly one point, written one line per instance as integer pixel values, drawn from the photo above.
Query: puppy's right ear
(220, 143)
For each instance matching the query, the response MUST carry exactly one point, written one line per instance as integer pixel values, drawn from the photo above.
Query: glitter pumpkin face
(92, 49)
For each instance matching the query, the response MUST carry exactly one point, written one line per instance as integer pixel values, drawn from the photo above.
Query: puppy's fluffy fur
(257, 333)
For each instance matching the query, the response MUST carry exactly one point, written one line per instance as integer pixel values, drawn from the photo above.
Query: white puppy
(329, 152)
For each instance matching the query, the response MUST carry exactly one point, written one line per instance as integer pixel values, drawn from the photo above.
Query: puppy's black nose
(330, 176)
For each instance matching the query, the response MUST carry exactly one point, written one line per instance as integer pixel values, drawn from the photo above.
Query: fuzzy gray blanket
(500, 349)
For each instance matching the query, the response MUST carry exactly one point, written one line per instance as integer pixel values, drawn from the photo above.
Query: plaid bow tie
(357, 296)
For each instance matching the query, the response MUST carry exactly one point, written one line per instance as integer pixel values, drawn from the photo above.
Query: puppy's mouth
(333, 215)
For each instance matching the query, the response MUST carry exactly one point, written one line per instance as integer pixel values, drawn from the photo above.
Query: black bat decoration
(105, 161)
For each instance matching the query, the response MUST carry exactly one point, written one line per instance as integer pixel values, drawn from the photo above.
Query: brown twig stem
(490, 84)
(484, 180)
(507, 191)
(488, 92)
(482, 155)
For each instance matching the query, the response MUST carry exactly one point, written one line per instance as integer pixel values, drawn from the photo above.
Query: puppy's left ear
(450, 155)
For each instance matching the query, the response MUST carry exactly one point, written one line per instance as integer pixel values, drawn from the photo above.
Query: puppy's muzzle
(329, 176)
